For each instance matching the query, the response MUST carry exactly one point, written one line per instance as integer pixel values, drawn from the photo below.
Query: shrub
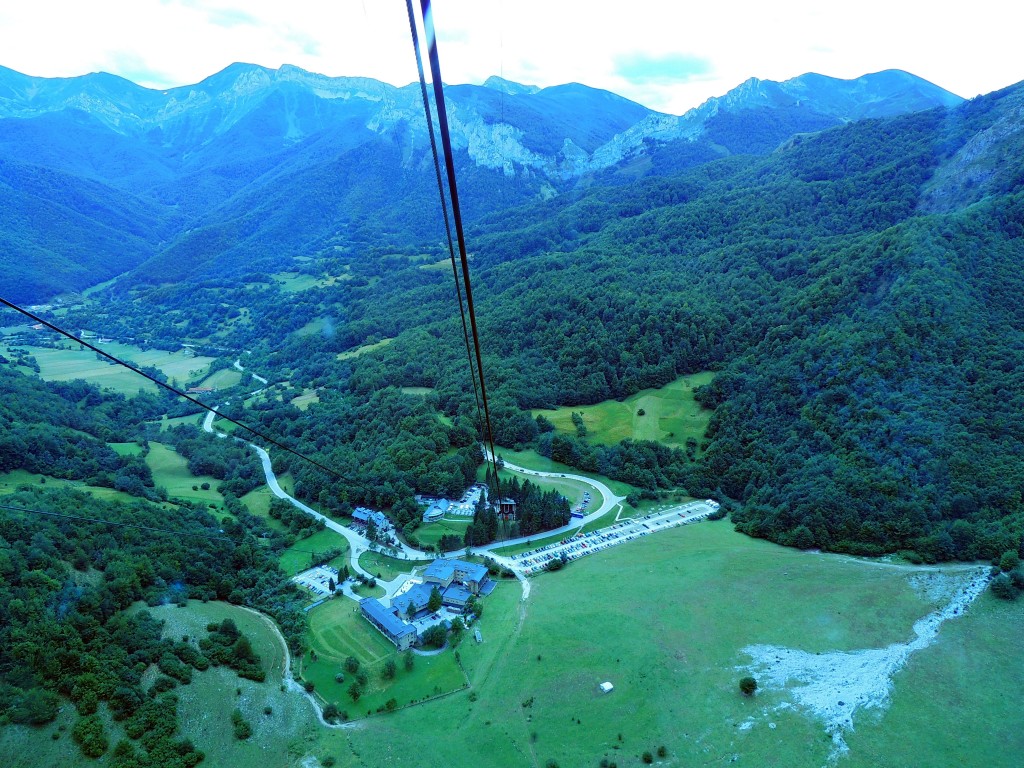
(647, 758)
(240, 726)
(662, 752)
(748, 685)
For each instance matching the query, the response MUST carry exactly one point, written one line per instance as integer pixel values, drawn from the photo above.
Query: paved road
(610, 502)
(260, 379)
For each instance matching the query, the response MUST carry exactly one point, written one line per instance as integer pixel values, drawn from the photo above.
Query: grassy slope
(388, 567)
(428, 534)
(297, 557)
(170, 471)
(671, 415)
(204, 709)
(222, 379)
(74, 363)
(664, 619)
(11, 481)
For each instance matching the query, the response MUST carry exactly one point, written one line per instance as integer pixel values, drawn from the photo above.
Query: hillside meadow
(665, 619)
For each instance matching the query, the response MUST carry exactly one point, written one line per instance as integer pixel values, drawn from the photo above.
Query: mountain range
(100, 177)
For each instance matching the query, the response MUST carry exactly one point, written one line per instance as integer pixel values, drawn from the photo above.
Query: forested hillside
(865, 344)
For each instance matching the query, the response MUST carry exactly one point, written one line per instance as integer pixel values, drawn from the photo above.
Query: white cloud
(968, 50)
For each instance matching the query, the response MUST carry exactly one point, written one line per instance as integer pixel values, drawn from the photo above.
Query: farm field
(222, 379)
(194, 419)
(666, 619)
(306, 399)
(670, 415)
(170, 471)
(71, 362)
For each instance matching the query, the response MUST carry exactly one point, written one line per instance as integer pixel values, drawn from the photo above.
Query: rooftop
(394, 626)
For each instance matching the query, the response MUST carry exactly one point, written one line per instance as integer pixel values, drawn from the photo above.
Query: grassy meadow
(170, 471)
(665, 619)
(222, 379)
(352, 353)
(204, 708)
(297, 557)
(13, 480)
(386, 567)
(670, 415)
(428, 534)
(74, 362)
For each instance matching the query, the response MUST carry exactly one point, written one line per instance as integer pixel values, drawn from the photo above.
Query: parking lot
(316, 580)
(584, 544)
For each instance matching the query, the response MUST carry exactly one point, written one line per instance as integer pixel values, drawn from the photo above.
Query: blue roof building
(394, 629)
(418, 597)
(443, 572)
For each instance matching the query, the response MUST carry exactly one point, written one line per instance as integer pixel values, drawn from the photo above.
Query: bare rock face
(988, 163)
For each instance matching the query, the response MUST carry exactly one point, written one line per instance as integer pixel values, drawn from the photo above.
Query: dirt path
(286, 674)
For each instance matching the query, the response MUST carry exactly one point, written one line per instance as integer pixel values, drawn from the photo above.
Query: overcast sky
(669, 55)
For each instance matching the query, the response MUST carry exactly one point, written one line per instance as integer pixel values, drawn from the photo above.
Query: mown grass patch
(126, 449)
(429, 534)
(195, 419)
(669, 415)
(306, 399)
(387, 568)
(338, 630)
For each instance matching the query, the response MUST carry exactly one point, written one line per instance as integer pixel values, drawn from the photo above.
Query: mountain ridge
(231, 161)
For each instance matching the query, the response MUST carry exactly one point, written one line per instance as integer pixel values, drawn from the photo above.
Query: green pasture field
(222, 379)
(423, 391)
(74, 362)
(297, 557)
(170, 472)
(352, 353)
(428, 534)
(665, 619)
(388, 567)
(195, 419)
(294, 282)
(13, 480)
(530, 459)
(671, 415)
(258, 503)
(126, 449)
(306, 399)
(314, 327)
